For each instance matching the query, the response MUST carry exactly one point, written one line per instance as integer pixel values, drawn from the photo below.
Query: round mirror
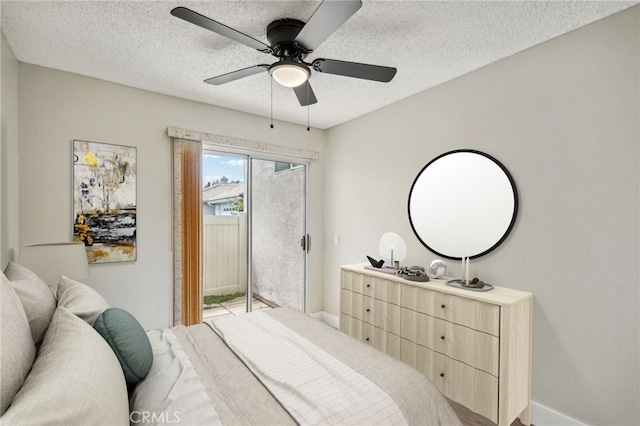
(462, 204)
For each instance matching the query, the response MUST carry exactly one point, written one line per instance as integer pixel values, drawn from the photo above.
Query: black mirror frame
(515, 205)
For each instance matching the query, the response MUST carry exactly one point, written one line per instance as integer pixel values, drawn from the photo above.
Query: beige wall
(8, 154)
(563, 117)
(56, 107)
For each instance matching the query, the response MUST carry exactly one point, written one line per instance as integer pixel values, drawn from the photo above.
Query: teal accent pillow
(128, 340)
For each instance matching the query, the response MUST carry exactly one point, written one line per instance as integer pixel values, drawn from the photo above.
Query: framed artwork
(105, 200)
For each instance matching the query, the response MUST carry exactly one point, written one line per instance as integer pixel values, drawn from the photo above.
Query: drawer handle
(442, 306)
(368, 310)
(367, 339)
(441, 374)
(368, 285)
(441, 337)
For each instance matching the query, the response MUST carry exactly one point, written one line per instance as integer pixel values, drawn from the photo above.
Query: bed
(68, 358)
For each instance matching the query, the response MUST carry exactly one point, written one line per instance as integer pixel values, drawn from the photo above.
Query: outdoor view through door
(271, 218)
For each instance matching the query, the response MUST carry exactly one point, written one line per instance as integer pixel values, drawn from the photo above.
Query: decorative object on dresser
(375, 263)
(474, 346)
(467, 283)
(437, 268)
(52, 260)
(473, 285)
(105, 200)
(414, 273)
(480, 208)
(392, 248)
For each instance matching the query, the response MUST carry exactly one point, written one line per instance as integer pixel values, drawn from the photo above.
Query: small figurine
(376, 263)
(474, 283)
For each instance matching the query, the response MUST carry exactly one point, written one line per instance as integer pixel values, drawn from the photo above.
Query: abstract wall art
(105, 200)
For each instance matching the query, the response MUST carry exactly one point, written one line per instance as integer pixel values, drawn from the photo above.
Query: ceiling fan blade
(211, 25)
(305, 94)
(327, 18)
(354, 69)
(236, 75)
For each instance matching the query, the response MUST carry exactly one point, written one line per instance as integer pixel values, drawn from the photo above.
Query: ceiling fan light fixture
(289, 74)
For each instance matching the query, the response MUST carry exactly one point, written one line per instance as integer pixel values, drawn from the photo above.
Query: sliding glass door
(254, 236)
(224, 234)
(278, 237)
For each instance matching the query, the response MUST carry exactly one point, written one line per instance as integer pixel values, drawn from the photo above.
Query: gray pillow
(80, 299)
(129, 342)
(75, 380)
(17, 350)
(36, 296)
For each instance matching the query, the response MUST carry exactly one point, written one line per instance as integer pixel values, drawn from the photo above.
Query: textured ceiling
(140, 44)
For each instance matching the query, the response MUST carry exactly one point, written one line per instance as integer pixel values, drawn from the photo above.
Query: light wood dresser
(474, 346)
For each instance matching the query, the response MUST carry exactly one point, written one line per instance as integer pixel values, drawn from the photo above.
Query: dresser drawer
(374, 287)
(417, 299)
(417, 356)
(473, 388)
(460, 310)
(386, 342)
(381, 314)
(478, 349)
(381, 289)
(351, 303)
(346, 280)
(475, 348)
(371, 335)
(417, 327)
(351, 326)
(456, 380)
(345, 301)
(470, 313)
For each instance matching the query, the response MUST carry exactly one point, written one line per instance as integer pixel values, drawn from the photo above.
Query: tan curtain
(187, 231)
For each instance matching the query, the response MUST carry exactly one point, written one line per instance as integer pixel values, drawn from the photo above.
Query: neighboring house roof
(222, 192)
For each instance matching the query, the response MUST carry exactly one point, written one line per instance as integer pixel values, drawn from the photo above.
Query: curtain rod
(227, 141)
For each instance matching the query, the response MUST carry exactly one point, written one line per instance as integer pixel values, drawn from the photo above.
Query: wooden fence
(225, 254)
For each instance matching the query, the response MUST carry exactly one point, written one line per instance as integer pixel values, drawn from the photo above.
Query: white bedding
(195, 370)
(313, 386)
(172, 391)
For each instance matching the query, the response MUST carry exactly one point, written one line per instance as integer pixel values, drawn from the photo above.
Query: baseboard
(327, 318)
(545, 416)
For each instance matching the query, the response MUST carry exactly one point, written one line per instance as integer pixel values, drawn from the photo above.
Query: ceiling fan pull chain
(271, 103)
(308, 106)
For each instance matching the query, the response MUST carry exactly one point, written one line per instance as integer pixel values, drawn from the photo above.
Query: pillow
(17, 350)
(36, 296)
(80, 299)
(75, 380)
(129, 342)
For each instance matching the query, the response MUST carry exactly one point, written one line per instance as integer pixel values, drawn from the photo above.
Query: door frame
(249, 155)
(231, 145)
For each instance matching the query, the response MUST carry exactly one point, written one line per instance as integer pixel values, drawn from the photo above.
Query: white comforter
(197, 379)
(313, 386)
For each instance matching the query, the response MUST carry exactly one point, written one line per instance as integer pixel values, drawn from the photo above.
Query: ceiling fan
(291, 41)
